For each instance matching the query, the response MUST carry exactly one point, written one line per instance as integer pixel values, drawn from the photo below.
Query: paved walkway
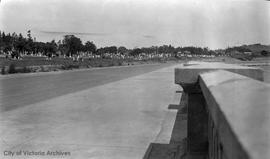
(117, 120)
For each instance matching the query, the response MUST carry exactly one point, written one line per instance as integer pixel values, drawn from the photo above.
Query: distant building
(187, 52)
(234, 52)
(248, 53)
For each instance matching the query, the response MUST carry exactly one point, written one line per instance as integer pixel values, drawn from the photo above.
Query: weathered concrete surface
(117, 120)
(189, 73)
(198, 138)
(239, 107)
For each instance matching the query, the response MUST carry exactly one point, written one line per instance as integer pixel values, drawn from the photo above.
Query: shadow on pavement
(176, 149)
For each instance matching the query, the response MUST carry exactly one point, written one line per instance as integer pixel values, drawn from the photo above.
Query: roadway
(20, 90)
(100, 113)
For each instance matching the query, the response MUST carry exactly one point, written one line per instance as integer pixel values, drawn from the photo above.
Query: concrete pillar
(197, 136)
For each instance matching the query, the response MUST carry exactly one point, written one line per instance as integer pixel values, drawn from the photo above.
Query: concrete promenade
(114, 120)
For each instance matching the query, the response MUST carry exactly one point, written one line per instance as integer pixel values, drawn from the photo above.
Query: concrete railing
(228, 113)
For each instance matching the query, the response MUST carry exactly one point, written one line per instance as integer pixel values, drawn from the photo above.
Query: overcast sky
(137, 23)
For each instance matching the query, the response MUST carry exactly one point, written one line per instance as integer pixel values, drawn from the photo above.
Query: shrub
(76, 66)
(26, 70)
(42, 69)
(71, 66)
(63, 67)
(3, 70)
(111, 64)
(12, 68)
(23, 70)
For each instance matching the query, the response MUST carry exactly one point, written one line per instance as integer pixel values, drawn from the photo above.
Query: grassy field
(39, 61)
(41, 64)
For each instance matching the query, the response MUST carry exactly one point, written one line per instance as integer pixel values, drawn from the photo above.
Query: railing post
(197, 136)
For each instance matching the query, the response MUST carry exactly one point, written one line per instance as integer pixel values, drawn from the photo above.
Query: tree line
(71, 45)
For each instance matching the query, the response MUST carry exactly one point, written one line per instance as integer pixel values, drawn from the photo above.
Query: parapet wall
(189, 73)
(228, 113)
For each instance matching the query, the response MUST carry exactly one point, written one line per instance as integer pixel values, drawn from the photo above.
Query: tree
(265, 53)
(108, 50)
(8, 43)
(89, 47)
(122, 50)
(237, 48)
(149, 50)
(63, 50)
(100, 51)
(29, 46)
(29, 35)
(72, 44)
(51, 48)
(20, 44)
(135, 52)
(112, 49)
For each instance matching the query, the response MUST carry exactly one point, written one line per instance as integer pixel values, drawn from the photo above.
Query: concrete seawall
(228, 111)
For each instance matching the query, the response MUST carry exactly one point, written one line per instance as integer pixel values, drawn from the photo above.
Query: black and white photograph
(135, 79)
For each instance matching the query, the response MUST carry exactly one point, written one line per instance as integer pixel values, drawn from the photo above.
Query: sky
(141, 23)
